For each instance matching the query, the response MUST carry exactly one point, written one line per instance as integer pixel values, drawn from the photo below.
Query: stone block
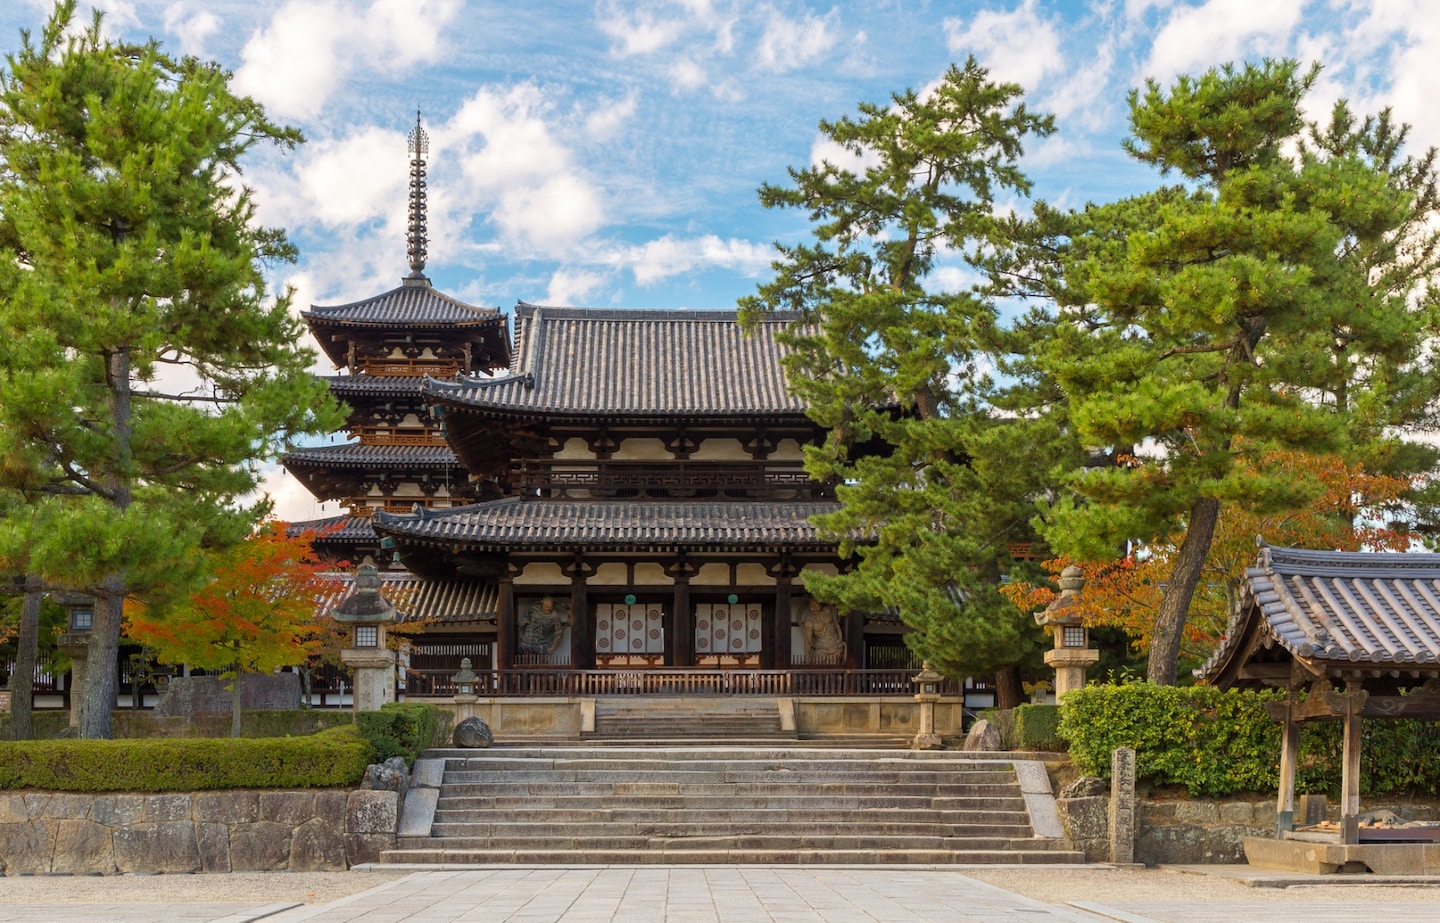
(13, 810)
(226, 807)
(36, 803)
(117, 810)
(372, 812)
(26, 847)
(289, 808)
(317, 846)
(263, 846)
(166, 846)
(213, 842)
(83, 847)
(1237, 812)
(167, 807)
(330, 808)
(1197, 812)
(427, 774)
(418, 814)
(69, 807)
(366, 847)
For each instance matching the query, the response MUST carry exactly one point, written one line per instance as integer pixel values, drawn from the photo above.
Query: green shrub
(1037, 727)
(400, 729)
(329, 759)
(1218, 743)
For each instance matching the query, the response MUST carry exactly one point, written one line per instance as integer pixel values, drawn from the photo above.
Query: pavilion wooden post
(1289, 757)
(582, 637)
(1350, 771)
(784, 574)
(681, 639)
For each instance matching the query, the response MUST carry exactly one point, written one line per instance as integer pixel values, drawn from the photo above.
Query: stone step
(786, 802)
(800, 831)
(709, 749)
(660, 788)
(689, 856)
(745, 840)
(722, 774)
(734, 815)
(508, 764)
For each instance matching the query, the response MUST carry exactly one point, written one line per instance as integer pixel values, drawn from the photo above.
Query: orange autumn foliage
(1125, 593)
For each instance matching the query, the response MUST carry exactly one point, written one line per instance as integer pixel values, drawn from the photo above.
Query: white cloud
(1016, 47)
(191, 26)
(522, 173)
(827, 150)
(296, 63)
(637, 32)
(1198, 37)
(688, 75)
(606, 118)
(293, 503)
(670, 256)
(574, 286)
(787, 44)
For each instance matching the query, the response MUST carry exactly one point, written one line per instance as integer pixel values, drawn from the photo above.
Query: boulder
(379, 778)
(1086, 787)
(983, 736)
(472, 734)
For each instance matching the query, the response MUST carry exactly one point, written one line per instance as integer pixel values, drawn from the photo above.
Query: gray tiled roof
(342, 385)
(358, 455)
(1335, 608)
(337, 529)
(409, 305)
(516, 521)
(418, 598)
(633, 363)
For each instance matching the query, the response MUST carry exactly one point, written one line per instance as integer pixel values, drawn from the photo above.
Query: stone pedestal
(374, 673)
(928, 681)
(1070, 665)
(76, 646)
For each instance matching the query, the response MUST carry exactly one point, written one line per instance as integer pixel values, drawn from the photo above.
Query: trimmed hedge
(1216, 742)
(400, 729)
(1037, 727)
(128, 723)
(329, 759)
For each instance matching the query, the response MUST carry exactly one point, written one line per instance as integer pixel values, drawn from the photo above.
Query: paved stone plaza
(797, 894)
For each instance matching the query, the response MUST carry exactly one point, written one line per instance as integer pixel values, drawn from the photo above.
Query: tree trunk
(1008, 691)
(235, 704)
(102, 678)
(22, 681)
(1179, 590)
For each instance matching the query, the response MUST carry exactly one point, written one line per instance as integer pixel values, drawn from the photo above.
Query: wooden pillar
(854, 640)
(683, 622)
(505, 622)
(1350, 771)
(1289, 755)
(582, 633)
(783, 606)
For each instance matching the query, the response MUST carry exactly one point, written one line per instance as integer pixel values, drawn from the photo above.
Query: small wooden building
(1349, 636)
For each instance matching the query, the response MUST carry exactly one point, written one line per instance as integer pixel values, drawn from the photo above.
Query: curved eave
(491, 335)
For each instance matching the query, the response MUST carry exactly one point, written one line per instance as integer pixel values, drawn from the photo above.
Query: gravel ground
(245, 887)
(1051, 885)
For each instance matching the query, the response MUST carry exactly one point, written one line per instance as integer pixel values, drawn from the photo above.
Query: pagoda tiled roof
(1337, 609)
(633, 363)
(541, 522)
(422, 599)
(361, 455)
(409, 305)
(383, 385)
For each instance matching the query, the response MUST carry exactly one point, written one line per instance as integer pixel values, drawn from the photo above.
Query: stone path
(140, 913)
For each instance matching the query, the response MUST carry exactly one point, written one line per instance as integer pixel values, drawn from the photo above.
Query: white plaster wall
(753, 575)
(649, 574)
(642, 450)
(720, 450)
(609, 574)
(575, 448)
(712, 575)
(787, 450)
(541, 572)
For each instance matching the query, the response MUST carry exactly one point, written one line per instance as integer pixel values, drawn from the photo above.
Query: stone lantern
(1072, 653)
(74, 643)
(465, 682)
(928, 681)
(366, 613)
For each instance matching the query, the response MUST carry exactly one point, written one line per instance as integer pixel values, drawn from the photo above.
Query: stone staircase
(722, 805)
(738, 720)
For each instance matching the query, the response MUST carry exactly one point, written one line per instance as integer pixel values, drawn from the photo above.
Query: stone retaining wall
(237, 831)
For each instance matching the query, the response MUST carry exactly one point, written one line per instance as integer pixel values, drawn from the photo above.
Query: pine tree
(935, 482)
(1276, 298)
(144, 369)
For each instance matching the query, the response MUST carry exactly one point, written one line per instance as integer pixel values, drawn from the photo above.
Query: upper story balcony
(678, 480)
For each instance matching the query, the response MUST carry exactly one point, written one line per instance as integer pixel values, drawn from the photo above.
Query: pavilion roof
(632, 363)
(419, 599)
(517, 522)
(380, 385)
(357, 455)
(345, 529)
(413, 306)
(1335, 610)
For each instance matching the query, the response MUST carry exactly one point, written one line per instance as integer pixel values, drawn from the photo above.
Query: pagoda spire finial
(416, 240)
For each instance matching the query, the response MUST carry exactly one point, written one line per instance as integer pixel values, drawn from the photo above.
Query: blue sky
(607, 153)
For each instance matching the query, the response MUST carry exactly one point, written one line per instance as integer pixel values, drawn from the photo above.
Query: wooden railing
(676, 681)
(734, 480)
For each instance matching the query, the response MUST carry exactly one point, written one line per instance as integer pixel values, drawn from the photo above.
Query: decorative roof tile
(518, 522)
(360, 455)
(343, 529)
(408, 305)
(420, 599)
(383, 385)
(633, 363)
(1336, 607)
